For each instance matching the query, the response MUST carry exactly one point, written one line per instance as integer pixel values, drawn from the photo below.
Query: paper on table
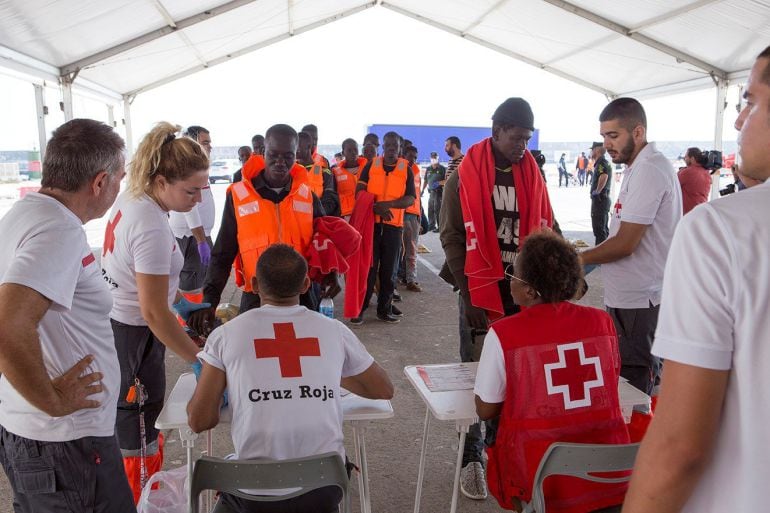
(443, 378)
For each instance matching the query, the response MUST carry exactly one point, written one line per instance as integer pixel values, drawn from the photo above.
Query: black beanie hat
(515, 112)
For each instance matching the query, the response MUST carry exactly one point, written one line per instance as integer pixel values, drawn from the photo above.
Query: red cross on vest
(109, 234)
(287, 348)
(573, 375)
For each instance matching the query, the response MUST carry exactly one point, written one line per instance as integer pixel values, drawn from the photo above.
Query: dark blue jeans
(471, 342)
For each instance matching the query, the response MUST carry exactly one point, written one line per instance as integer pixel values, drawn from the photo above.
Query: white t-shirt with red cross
(715, 315)
(650, 195)
(43, 247)
(283, 367)
(138, 239)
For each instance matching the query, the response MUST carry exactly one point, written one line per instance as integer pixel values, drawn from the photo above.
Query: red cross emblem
(573, 375)
(287, 348)
(618, 207)
(109, 234)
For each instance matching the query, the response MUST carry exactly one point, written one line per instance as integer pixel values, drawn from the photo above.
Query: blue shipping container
(428, 138)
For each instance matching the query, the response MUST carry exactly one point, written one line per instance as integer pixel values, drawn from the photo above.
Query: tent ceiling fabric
(645, 47)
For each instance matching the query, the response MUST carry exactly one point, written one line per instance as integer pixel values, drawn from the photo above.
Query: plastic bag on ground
(169, 496)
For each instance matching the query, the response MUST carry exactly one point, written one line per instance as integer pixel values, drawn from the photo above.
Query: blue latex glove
(184, 307)
(204, 251)
(197, 367)
(225, 399)
(594, 194)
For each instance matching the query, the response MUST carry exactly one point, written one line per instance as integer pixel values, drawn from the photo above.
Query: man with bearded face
(642, 224)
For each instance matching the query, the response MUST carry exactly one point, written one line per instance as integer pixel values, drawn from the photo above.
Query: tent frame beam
(636, 36)
(475, 23)
(153, 35)
(251, 48)
(532, 62)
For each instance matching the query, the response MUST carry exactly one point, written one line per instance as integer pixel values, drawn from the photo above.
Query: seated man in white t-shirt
(283, 365)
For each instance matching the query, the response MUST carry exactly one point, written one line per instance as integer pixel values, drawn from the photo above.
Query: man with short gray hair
(60, 372)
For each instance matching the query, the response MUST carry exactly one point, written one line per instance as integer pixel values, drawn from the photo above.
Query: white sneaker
(473, 481)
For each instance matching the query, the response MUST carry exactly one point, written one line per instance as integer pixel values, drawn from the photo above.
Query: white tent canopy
(115, 49)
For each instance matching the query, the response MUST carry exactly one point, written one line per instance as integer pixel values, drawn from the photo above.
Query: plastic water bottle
(327, 307)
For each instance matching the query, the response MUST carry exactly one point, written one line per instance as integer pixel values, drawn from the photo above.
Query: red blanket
(334, 242)
(362, 219)
(483, 262)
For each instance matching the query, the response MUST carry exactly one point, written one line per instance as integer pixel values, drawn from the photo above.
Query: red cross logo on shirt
(573, 375)
(618, 207)
(287, 348)
(109, 234)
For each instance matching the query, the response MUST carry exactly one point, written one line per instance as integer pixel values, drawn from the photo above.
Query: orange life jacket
(253, 166)
(346, 185)
(315, 178)
(262, 222)
(388, 187)
(320, 160)
(415, 208)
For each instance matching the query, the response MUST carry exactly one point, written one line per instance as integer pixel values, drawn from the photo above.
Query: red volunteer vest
(562, 366)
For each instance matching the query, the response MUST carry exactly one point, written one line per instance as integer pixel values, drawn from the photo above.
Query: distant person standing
(192, 230)
(389, 178)
(244, 153)
(581, 165)
(563, 170)
(319, 178)
(412, 226)
(600, 193)
(317, 157)
(647, 210)
(435, 177)
(491, 204)
(258, 144)
(371, 146)
(346, 176)
(694, 179)
(453, 148)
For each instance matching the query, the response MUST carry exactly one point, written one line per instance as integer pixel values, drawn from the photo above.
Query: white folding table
(460, 406)
(356, 410)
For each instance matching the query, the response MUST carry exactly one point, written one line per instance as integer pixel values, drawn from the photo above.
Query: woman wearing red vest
(551, 373)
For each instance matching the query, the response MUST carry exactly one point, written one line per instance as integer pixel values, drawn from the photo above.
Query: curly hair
(161, 153)
(551, 265)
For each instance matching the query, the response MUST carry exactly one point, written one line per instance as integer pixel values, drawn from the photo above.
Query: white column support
(719, 123)
(66, 90)
(127, 100)
(111, 115)
(41, 112)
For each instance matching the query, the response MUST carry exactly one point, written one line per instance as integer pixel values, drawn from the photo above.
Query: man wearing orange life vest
(391, 181)
(412, 225)
(319, 178)
(272, 204)
(346, 176)
(319, 159)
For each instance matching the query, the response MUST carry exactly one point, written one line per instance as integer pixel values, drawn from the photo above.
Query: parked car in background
(223, 170)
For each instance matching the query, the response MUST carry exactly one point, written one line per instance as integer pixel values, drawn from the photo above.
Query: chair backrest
(306, 474)
(581, 460)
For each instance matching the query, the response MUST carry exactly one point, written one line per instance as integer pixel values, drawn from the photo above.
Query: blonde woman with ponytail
(141, 263)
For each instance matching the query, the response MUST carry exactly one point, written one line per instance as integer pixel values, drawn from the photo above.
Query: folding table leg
(188, 438)
(455, 489)
(357, 457)
(421, 471)
(366, 507)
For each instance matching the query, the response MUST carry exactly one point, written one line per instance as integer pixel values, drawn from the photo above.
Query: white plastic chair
(580, 460)
(231, 476)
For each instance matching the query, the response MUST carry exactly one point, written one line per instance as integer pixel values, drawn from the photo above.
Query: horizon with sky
(373, 67)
